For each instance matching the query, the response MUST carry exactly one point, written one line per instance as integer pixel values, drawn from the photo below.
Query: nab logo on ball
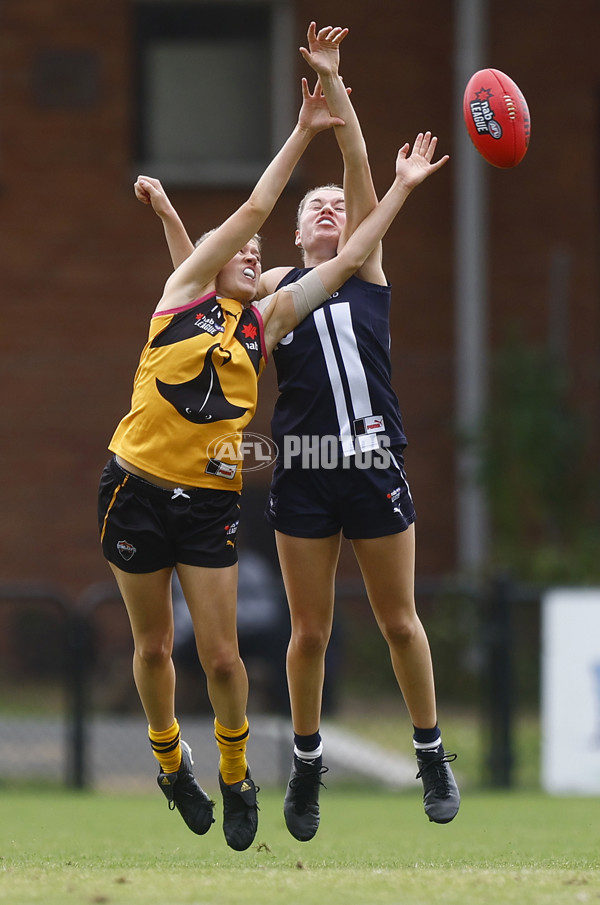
(483, 114)
(497, 117)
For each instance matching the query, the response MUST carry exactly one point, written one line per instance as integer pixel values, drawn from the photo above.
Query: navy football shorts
(144, 528)
(361, 502)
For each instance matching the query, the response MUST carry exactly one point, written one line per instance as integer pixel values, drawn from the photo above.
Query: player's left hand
(413, 169)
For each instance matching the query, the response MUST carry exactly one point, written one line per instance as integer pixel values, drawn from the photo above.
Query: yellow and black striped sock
(232, 745)
(166, 747)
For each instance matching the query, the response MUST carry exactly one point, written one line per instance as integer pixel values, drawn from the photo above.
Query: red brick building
(82, 263)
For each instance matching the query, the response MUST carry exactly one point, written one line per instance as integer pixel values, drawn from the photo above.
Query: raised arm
(323, 55)
(149, 191)
(197, 273)
(294, 302)
(411, 171)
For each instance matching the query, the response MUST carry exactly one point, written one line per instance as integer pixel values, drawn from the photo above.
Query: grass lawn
(373, 848)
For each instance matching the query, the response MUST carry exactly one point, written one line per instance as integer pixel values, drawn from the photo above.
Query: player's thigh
(147, 598)
(388, 568)
(211, 596)
(308, 566)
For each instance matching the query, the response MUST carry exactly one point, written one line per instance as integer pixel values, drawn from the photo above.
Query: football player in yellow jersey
(151, 521)
(161, 508)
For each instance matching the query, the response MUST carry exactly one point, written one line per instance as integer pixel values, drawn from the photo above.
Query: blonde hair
(210, 232)
(330, 186)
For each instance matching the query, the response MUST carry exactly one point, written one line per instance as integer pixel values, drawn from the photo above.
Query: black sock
(307, 751)
(427, 740)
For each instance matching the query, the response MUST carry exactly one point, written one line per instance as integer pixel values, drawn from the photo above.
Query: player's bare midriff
(152, 479)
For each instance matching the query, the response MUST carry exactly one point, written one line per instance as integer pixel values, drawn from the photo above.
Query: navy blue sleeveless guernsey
(334, 372)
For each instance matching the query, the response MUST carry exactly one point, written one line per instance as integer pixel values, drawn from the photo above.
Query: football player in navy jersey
(334, 377)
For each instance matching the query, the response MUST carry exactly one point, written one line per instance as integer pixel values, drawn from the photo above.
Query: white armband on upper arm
(307, 294)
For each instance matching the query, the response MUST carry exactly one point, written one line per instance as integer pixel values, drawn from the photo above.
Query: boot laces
(304, 786)
(435, 774)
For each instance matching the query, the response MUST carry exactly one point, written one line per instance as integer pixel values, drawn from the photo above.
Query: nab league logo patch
(125, 549)
(212, 322)
(394, 498)
(231, 531)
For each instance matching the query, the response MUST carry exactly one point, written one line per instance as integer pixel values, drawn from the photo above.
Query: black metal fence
(57, 653)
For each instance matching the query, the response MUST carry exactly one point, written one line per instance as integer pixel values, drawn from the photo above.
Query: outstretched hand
(323, 53)
(148, 190)
(314, 113)
(414, 169)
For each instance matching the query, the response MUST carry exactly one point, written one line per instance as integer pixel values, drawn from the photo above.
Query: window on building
(213, 92)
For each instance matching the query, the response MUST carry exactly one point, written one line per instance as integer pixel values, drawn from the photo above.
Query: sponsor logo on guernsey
(221, 469)
(250, 332)
(210, 323)
(126, 550)
(373, 424)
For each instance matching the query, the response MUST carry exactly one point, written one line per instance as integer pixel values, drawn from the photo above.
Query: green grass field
(373, 848)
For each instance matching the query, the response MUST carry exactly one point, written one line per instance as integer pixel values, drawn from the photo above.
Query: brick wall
(82, 264)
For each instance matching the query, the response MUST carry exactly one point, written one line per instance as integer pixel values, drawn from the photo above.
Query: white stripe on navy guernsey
(353, 366)
(354, 373)
(335, 380)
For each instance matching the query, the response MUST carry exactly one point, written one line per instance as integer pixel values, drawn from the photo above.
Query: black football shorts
(144, 528)
(361, 502)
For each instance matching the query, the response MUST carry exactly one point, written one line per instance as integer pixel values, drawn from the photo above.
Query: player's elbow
(256, 208)
(353, 262)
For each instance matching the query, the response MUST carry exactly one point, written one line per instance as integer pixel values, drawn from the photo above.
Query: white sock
(428, 746)
(309, 756)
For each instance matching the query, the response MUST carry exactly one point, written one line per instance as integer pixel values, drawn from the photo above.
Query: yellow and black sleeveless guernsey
(194, 391)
